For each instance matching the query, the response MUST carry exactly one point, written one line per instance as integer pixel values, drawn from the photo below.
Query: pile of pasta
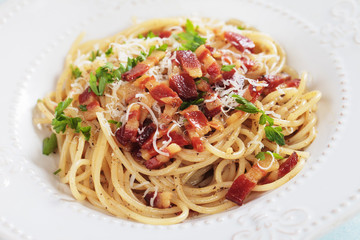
(172, 118)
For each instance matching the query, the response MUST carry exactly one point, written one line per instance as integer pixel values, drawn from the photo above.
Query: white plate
(321, 37)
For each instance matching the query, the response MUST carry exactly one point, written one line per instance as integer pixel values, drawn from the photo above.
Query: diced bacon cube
(239, 41)
(189, 63)
(184, 86)
(161, 200)
(210, 64)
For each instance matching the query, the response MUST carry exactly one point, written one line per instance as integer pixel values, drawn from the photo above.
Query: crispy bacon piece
(141, 81)
(159, 160)
(195, 138)
(244, 184)
(210, 64)
(144, 139)
(178, 138)
(128, 132)
(164, 34)
(249, 64)
(147, 154)
(161, 200)
(284, 169)
(196, 119)
(252, 93)
(184, 86)
(163, 94)
(189, 63)
(142, 67)
(203, 86)
(239, 41)
(281, 80)
(212, 108)
(229, 74)
(91, 101)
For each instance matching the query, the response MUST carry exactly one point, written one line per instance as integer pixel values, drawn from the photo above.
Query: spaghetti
(172, 117)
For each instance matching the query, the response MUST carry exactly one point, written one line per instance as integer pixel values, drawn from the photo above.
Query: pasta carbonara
(175, 117)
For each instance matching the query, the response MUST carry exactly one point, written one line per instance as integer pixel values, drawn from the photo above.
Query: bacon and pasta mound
(175, 117)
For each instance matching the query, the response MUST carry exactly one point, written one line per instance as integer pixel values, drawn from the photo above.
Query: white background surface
(321, 37)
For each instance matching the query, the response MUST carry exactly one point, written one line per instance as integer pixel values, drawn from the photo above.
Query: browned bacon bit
(141, 81)
(147, 154)
(203, 86)
(144, 139)
(164, 34)
(163, 94)
(135, 72)
(161, 200)
(274, 81)
(195, 138)
(89, 99)
(216, 124)
(293, 83)
(212, 107)
(245, 183)
(239, 41)
(184, 86)
(166, 117)
(159, 160)
(196, 119)
(248, 63)
(189, 63)
(210, 64)
(153, 163)
(141, 68)
(284, 169)
(252, 93)
(129, 131)
(177, 138)
(229, 74)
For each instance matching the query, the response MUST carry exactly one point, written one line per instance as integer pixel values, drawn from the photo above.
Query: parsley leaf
(140, 36)
(93, 85)
(261, 155)
(61, 121)
(162, 47)
(274, 134)
(265, 118)
(57, 171)
(94, 55)
(61, 107)
(109, 51)
(191, 39)
(49, 144)
(118, 124)
(197, 101)
(83, 108)
(150, 35)
(227, 68)
(245, 105)
(240, 28)
(75, 72)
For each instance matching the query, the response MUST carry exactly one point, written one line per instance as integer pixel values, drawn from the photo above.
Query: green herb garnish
(49, 144)
(261, 155)
(118, 124)
(57, 171)
(272, 133)
(61, 121)
(227, 68)
(94, 55)
(83, 108)
(75, 72)
(109, 51)
(190, 38)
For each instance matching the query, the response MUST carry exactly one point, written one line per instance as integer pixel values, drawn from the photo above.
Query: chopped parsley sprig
(227, 68)
(261, 155)
(49, 144)
(197, 101)
(61, 121)
(191, 40)
(272, 133)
